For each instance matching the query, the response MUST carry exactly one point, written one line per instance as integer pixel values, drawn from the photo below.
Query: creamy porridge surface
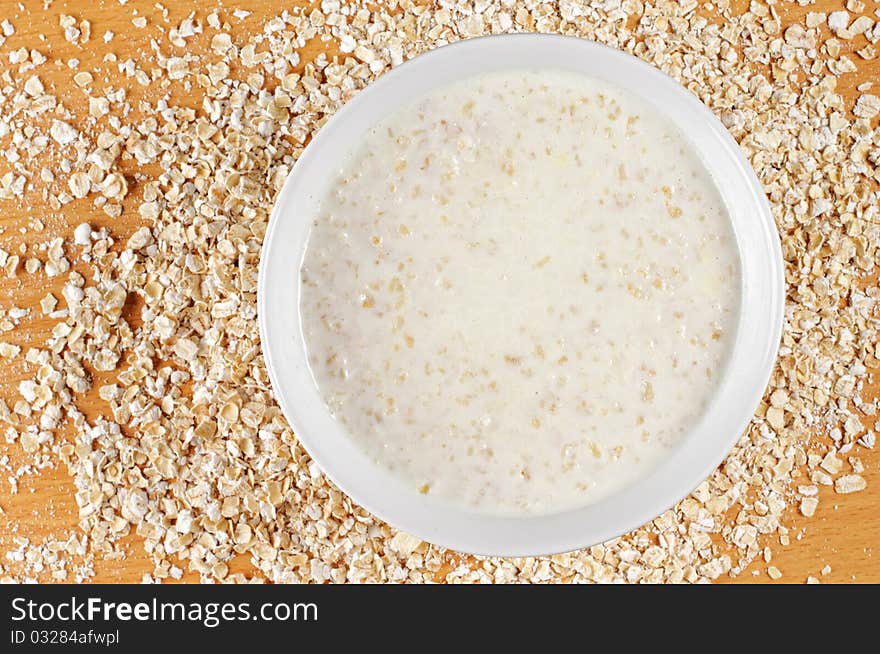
(520, 292)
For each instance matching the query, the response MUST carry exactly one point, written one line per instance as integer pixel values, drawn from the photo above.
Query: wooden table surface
(842, 533)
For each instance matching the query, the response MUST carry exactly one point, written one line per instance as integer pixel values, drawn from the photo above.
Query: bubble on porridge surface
(520, 292)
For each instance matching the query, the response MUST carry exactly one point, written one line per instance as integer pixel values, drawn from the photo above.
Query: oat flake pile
(194, 455)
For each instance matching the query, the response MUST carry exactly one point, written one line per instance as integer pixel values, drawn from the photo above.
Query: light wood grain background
(842, 534)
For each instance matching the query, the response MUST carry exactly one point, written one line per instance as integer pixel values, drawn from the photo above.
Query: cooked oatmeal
(520, 293)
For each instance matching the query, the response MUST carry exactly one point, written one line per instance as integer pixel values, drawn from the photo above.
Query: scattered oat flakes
(63, 132)
(808, 506)
(850, 484)
(867, 106)
(242, 483)
(8, 351)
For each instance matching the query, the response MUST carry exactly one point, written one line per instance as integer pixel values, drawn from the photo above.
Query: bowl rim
(739, 392)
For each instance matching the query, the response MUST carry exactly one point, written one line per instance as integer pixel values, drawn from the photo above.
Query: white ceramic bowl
(741, 387)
